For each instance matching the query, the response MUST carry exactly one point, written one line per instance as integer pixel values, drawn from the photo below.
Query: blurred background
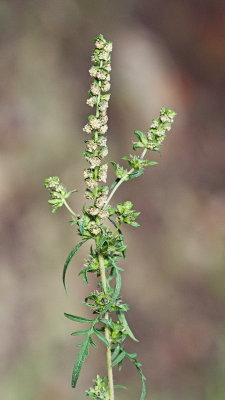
(167, 53)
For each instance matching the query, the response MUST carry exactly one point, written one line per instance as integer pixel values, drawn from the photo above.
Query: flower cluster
(98, 300)
(157, 131)
(125, 213)
(58, 192)
(118, 333)
(96, 146)
(100, 390)
(56, 189)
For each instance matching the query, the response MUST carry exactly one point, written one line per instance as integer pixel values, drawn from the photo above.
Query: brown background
(165, 53)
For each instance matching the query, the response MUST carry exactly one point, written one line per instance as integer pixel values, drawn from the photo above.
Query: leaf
(138, 145)
(150, 163)
(143, 379)
(120, 357)
(81, 225)
(142, 137)
(84, 272)
(92, 343)
(133, 223)
(116, 351)
(132, 355)
(84, 332)
(123, 321)
(78, 319)
(106, 322)
(80, 361)
(101, 337)
(120, 387)
(136, 174)
(102, 240)
(55, 201)
(70, 256)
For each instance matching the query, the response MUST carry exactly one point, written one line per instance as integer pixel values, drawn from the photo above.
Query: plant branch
(69, 208)
(122, 180)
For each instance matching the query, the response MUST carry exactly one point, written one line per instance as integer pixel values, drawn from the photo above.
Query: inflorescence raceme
(108, 322)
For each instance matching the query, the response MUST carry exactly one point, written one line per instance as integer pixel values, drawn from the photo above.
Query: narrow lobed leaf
(83, 353)
(101, 337)
(70, 256)
(120, 357)
(78, 319)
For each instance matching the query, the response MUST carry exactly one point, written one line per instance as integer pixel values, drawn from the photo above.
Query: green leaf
(102, 240)
(142, 137)
(136, 174)
(83, 353)
(116, 351)
(143, 379)
(133, 223)
(84, 332)
(92, 343)
(101, 337)
(132, 355)
(120, 357)
(120, 387)
(138, 145)
(123, 321)
(84, 272)
(106, 322)
(70, 256)
(145, 162)
(77, 319)
(55, 201)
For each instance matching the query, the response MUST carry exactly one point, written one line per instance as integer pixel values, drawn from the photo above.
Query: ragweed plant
(108, 322)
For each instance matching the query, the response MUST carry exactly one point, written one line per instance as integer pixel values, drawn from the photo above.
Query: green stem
(107, 331)
(69, 209)
(122, 180)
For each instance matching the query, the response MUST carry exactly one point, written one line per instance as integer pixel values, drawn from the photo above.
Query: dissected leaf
(83, 353)
(143, 378)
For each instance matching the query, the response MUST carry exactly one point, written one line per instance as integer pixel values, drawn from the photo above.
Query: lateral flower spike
(58, 194)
